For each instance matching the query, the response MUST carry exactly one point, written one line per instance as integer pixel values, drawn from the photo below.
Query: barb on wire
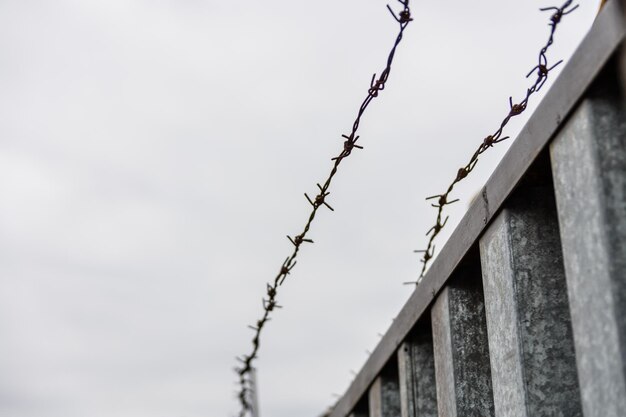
(542, 70)
(377, 84)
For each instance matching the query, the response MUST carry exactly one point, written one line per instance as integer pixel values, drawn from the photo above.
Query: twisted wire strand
(542, 70)
(377, 84)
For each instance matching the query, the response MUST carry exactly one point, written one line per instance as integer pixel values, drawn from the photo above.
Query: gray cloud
(153, 154)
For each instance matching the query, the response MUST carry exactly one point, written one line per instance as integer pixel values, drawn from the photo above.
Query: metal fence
(523, 313)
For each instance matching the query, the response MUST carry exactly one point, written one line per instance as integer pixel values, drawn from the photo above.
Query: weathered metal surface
(384, 396)
(531, 347)
(416, 368)
(589, 163)
(601, 41)
(444, 369)
(462, 371)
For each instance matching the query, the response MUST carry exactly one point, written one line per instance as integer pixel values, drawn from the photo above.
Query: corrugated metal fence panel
(530, 334)
(589, 160)
(548, 332)
(416, 366)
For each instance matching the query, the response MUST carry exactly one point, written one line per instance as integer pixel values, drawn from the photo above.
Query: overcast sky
(153, 156)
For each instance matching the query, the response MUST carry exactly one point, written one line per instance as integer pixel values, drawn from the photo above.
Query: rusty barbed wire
(542, 70)
(349, 145)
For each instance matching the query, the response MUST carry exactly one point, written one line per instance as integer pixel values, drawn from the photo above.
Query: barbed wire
(542, 70)
(270, 303)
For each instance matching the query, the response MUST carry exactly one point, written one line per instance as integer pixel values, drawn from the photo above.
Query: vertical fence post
(589, 165)
(531, 347)
(416, 368)
(460, 346)
(384, 395)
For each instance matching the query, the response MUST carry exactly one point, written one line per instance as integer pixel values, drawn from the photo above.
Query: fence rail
(523, 313)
